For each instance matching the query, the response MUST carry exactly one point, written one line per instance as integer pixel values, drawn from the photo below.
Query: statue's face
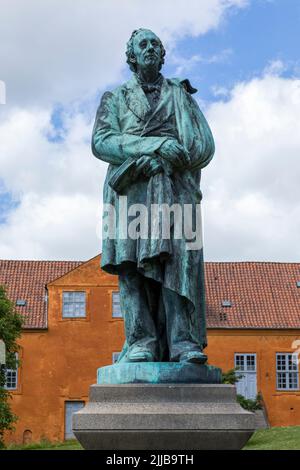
(147, 49)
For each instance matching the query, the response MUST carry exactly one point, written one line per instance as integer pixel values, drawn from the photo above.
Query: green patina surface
(159, 372)
(156, 140)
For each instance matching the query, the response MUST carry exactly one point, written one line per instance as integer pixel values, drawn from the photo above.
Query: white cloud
(65, 50)
(30, 162)
(58, 185)
(185, 65)
(52, 227)
(2, 92)
(275, 67)
(220, 91)
(251, 188)
(54, 52)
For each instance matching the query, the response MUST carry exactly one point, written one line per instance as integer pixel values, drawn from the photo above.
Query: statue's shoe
(193, 356)
(142, 355)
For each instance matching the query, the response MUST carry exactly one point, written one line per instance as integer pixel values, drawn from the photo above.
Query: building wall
(283, 407)
(59, 364)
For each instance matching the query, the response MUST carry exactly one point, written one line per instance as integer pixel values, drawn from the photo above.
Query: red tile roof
(26, 280)
(262, 295)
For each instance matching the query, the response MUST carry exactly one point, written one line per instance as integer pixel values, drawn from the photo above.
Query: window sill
(76, 319)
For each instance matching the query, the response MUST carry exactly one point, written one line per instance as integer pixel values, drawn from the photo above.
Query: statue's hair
(131, 61)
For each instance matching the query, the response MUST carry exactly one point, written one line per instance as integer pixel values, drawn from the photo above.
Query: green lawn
(46, 445)
(266, 439)
(275, 439)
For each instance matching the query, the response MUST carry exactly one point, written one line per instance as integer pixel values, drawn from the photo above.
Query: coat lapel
(137, 102)
(165, 99)
(136, 99)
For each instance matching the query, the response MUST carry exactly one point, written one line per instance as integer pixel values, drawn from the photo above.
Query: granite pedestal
(146, 415)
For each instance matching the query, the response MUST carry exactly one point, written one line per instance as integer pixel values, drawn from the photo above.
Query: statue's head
(144, 49)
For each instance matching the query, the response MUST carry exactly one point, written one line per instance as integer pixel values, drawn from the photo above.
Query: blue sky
(263, 32)
(242, 56)
(245, 42)
(240, 48)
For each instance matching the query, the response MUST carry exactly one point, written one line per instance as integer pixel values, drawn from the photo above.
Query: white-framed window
(246, 364)
(287, 375)
(116, 308)
(11, 376)
(74, 304)
(115, 356)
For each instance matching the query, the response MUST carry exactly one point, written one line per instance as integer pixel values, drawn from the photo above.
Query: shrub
(250, 405)
(231, 376)
(10, 330)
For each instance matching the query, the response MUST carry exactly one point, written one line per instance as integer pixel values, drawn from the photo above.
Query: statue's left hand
(148, 166)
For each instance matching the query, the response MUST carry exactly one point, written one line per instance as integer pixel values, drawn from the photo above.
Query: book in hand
(124, 175)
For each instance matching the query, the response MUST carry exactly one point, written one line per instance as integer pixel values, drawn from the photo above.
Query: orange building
(73, 326)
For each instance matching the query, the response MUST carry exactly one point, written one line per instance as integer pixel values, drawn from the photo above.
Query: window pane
(281, 380)
(74, 304)
(79, 297)
(66, 297)
(250, 362)
(287, 371)
(11, 379)
(116, 308)
(293, 380)
(11, 376)
(294, 362)
(281, 362)
(239, 362)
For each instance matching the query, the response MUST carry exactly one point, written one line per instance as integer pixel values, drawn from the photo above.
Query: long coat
(125, 127)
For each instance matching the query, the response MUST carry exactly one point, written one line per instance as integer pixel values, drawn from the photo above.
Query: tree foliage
(232, 376)
(10, 330)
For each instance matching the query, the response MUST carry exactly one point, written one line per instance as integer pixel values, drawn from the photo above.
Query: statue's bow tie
(149, 88)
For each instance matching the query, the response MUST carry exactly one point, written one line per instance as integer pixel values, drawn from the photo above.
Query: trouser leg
(155, 301)
(140, 328)
(179, 326)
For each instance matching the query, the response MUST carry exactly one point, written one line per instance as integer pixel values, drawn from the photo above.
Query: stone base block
(163, 417)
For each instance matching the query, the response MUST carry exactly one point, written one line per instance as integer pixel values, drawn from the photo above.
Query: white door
(246, 364)
(70, 408)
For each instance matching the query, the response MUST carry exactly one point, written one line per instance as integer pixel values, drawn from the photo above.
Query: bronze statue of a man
(156, 140)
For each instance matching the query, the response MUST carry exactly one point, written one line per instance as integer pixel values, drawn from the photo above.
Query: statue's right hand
(148, 165)
(174, 152)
